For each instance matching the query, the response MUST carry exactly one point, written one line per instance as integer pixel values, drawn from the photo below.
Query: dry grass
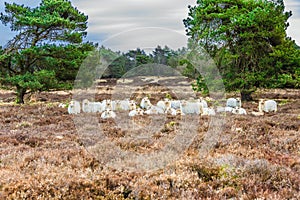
(43, 156)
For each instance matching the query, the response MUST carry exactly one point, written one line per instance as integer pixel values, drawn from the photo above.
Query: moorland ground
(42, 155)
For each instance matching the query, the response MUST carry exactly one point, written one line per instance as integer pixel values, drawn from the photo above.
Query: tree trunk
(246, 95)
(20, 95)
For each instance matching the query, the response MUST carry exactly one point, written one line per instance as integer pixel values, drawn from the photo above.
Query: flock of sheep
(108, 108)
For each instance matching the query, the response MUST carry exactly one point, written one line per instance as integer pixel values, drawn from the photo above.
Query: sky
(128, 24)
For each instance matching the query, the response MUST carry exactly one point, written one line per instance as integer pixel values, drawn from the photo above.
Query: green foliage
(297, 77)
(189, 70)
(285, 81)
(121, 63)
(47, 50)
(46, 78)
(115, 62)
(40, 80)
(200, 86)
(168, 96)
(160, 55)
(87, 73)
(247, 39)
(25, 81)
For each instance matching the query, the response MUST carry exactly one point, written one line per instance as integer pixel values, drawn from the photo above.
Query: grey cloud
(115, 16)
(293, 30)
(110, 17)
(294, 6)
(146, 38)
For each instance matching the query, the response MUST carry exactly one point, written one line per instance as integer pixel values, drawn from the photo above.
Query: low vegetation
(43, 156)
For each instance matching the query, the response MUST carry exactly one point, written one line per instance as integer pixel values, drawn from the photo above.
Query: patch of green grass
(50, 105)
(283, 102)
(168, 96)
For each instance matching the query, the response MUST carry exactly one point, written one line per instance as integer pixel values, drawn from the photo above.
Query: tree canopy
(247, 39)
(48, 45)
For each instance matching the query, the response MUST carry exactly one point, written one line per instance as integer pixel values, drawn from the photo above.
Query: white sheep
(174, 112)
(228, 109)
(74, 107)
(175, 104)
(239, 111)
(164, 104)
(62, 105)
(120, 104)
(132, 113)
(221, 109)
(108, 113)
(154, 110)
(124, 104)
(145, 103)
(116, 105)
(170, 111)
(168, 103)
(233, 102)
(88, 106)
(97, 107)
(132, 105)
(135, 112)
(107, 104)
(208, 111)
(190, 107)
(203, 102)
(267, 106)
(140, 111)
(112, 104)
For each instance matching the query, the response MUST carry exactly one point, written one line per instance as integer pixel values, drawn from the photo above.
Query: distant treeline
(289, 76)
(245, 39)
(126, 63)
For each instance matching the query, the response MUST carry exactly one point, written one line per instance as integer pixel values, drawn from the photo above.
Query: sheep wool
(190, 107)
(232, 102)
(108, 113)
(74, 107)
(145, 103)
(267, 105)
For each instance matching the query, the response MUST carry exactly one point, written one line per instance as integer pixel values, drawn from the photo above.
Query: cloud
(293, 30)
(110, 17)
(146, 38)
